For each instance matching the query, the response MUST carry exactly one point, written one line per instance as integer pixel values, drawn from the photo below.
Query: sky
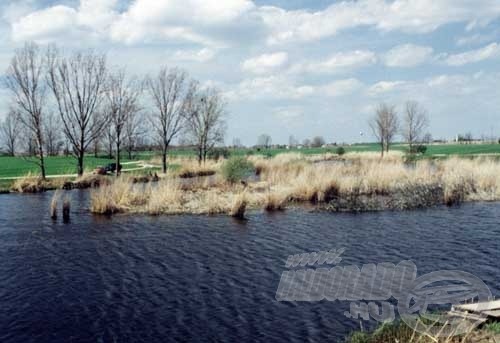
(293, 67)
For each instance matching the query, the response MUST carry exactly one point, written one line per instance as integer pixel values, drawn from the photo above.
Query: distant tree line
(386, 125)
(78, 104)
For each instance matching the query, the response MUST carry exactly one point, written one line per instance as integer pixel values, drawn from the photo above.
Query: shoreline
(360, 182)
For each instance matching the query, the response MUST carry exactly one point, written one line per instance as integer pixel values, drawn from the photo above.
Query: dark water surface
(198, 278)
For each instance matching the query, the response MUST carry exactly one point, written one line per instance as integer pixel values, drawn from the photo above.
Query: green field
(17, 166)
(434, 150)
(54, 165)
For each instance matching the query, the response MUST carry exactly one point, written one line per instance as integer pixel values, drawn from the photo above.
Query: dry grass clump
(87, 180)
(238, 206)
(118, 196)
(30, 183)
(391, 156)
(343, 184)
(275, 201)
(166, 197)
(464, 332)
(191, 168)
(53, 204)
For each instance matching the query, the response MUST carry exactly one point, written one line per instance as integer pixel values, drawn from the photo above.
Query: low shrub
(340, 151)
(418, 149)
(217, 153)
(236, 168)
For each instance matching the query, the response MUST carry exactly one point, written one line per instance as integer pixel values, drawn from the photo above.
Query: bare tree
(52, 132)
(237, 142)
(171, 93)
(10, 130)
(206, 125)
(292, 141)
(415, 121)
(122, 103)
(318, 141)
(78, 84)
(427, 138)
(264, 141)
(24, 79)
(134, 131)
(384, 126)
(109, 140)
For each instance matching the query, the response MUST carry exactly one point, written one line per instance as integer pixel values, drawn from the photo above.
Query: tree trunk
(80, 164)
(117, 171)
(42, 163)
(164, 161)
(200, 155)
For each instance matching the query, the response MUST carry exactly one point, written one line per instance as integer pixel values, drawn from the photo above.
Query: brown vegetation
(355, 182)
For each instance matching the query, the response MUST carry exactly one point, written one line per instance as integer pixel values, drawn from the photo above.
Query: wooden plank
(466, 315)
(478, 307)
(494, 313)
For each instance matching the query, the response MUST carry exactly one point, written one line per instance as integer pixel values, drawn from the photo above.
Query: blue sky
(294, 67)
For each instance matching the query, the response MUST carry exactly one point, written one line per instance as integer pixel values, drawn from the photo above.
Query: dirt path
(142, 165)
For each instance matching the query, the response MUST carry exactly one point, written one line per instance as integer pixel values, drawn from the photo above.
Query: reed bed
(354, 182)
(464, 332)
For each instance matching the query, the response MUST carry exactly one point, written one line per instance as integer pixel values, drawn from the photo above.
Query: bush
(217, 153)
(236, 169)
(418, 149)
(340, 151)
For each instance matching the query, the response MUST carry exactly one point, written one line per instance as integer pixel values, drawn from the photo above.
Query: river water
(201, 278)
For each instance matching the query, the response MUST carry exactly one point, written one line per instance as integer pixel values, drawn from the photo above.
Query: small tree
(237, 142)
(10, 130)
(384, 126)
(135, 130)
(415, 121)
(236, 169)
(78, 83)
(206, 125)
(172, 95)
(264, 141)
(122, 103)
(52, 131)
(317, 142)
(24, 80)
(292, 141)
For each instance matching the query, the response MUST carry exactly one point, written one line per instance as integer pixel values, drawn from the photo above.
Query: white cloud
(175, 12)
(342, 87)
(91, 19)
(421, 16)
(146, 20)
(340, 62)
(143, 21)
(271, 87)
(383, 87)
(202, 55)
(408, 55)
(44, 24)
(265, 63)
(477, 38)
(490, 51)
(288, 113)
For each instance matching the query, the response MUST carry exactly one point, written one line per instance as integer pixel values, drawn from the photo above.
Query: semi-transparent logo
(424, 303)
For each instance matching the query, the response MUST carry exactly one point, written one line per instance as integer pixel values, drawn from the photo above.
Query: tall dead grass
(288, 178)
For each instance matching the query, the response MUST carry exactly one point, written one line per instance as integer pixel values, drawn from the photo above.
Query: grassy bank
(55, 165)
(400, 332)
(353, 182)
(61, 165)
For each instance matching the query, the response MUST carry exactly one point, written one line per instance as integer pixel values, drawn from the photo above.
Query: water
(198, 278)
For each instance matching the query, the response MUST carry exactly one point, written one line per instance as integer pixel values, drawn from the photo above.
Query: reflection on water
(198, 278)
